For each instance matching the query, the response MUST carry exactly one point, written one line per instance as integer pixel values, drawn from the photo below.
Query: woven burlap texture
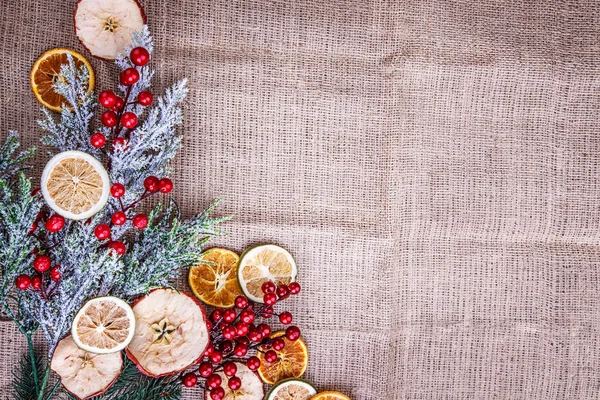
(432, 165)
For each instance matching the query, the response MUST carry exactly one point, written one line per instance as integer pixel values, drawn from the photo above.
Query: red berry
(36, 282)
(22, 282)
(139, 56)
(229, 369)
(140, 221)
(145, 98)
(55, 223)
(151, 184)
(107, 98)
(118, 218)
(214, 381)
(209, 325)
(240, 350)
(226, 346)
(165, 185)
(217, 393)
(243, 340)
(241, 302)
(278, 344)
(209, 350)
(216, 357)
(283, 291)
(268, 287)
(264, 329)
(253, 363)
(120, 144)
(129, 120)
(119, 104)
(229, 332)
(98, 140)
(55, 274)
(247, 316)
(117, 247)
(33, 228)
(229, 315)
(216, 315)
(241, 329)
(271, 356)
(102, 231)
(292, 333)
(117, 190)
(35, 191)
(285, 318)
(267, 312)
(109, 118)
(270, 299)
(294, 287)
(129, 76)
(42, 263)
(205, 369)
(255, 336)
(190, 379)
(234, 383)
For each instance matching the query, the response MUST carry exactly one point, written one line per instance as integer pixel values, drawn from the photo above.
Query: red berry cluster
(235, 332)
(45, 278)
(117, 117)
(140, 221)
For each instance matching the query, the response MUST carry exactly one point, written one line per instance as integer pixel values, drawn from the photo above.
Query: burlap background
(432, 165)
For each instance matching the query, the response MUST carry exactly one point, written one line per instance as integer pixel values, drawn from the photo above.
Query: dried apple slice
(85, 374)
(104, 27)
(170, 332)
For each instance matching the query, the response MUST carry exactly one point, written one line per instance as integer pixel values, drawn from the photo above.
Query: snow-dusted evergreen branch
(10, 161)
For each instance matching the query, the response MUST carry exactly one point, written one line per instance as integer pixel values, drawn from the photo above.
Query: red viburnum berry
(119, 104)
(139, 56)
(209, 350)
(217, 393)
(205, 370)
(55, 223)
(214, 381)
(129, 76)
(145, 98)
(240, 350)
(270, 299)
(55, 274)
(216, 357)
(255, 336)
(278, 344)
(271, 356)
(117, 190)
(23, 282)
(282, 291)
(292, 333)
(129, 120)
(229, 315)
(253, 363)
(264, 329)
(165, 185)
(98, 140)
(102, 231)
(109, 118)
(36, 282)
(234, 383)
(285, 318)
(247, 316)
(267, 312)
(241, 329)
(268, 287)
(33, 228)
(107, 98)
(121, 143)
(117, 247)
(140, 221)
(243, 340)
(229, 332)
(241, 302)
(42, 263)
(118, 218)
(294, 287)
(151, 184)
(229, 369)
(190, 379)
(216, 315)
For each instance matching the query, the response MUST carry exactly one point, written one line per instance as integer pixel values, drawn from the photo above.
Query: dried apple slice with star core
(85, 374)
(103, 325)
(264, 263)
(214, 279)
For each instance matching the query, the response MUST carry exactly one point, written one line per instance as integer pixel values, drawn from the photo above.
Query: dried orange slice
(264, 263)
(46, 71)
(103, 325)
(291, 362)
(291, 389)
(75, 185)
(214, 280)
(331, 395)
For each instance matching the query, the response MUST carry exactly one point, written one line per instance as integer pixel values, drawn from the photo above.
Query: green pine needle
(24, 383)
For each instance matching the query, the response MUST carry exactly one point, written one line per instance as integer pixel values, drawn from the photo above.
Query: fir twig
(25, 382)
(10, 161)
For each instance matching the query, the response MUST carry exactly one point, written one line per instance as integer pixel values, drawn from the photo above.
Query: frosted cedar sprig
(11, 162)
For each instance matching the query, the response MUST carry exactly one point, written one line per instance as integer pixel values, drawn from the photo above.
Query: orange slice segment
(46, 71)
(265, 263)
(214, 281)
(103, 325)
(330, 395)
(291, 361)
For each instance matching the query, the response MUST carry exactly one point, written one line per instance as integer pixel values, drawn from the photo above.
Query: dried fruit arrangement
(80, 262)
